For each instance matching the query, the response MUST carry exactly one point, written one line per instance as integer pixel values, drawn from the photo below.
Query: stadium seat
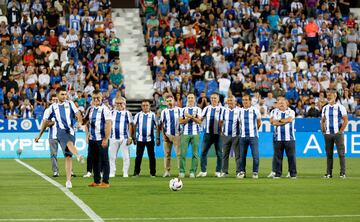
(199, 87)
(211, 87)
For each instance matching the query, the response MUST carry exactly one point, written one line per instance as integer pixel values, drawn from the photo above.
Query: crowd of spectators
(264, 48)
(46, 44)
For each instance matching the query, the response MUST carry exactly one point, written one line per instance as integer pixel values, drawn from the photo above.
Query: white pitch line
(87, 210)
(188, 218)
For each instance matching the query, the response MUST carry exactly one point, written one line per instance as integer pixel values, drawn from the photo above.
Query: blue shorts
(64, 137)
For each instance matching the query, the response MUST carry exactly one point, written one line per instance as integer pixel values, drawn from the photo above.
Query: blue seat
(199, 87)
(211, 88)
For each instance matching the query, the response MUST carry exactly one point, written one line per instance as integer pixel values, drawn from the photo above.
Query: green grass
(26, 195)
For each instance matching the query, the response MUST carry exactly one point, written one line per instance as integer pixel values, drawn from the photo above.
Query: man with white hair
(122, 129)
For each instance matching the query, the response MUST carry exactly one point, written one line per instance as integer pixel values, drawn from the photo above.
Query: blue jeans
(264, 44)
(208, 140)
(245, 142)
(73, 53)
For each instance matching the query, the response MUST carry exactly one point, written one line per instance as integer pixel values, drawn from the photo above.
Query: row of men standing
(224, 127)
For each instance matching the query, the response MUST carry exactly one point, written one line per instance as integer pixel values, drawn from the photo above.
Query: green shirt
(116, 78)
(114, 44)
(169, 49)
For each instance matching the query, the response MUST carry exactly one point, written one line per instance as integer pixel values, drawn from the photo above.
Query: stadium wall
(15, 134)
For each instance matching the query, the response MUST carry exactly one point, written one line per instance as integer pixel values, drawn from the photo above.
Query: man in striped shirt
(64, 113)
(191, 121)
(122, 128)
(230, 133)
(333, 123)
(53, 142)
(250, 122)
(145, 123)
(98, 132)
(212, 116)
(72, 41)
(169, 123)
(283, 118)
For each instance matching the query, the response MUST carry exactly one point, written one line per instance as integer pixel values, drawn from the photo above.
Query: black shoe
(327, 176)
(73, 175)
(56, 174)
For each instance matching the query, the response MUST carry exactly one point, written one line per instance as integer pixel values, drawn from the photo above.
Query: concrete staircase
(133, 55)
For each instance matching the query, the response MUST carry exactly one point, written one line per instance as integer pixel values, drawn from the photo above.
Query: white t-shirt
(224, 84)
(44, 79)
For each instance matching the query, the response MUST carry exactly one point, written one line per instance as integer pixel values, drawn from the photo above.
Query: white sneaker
(217, 174)
(166, 174)
(288, 175)
(68, 184)
(192, 175)
(224, 175)
(271, 175)
(125, 175)
(80, 158)
(202, 174)
(255, 176)
(240, 175)
(181, 175)
(88, 174)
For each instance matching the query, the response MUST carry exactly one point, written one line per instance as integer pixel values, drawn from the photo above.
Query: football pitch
(26, 196)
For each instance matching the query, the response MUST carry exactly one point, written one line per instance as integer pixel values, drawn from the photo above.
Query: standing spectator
(333, 123)
(311, 30)
(352, 39)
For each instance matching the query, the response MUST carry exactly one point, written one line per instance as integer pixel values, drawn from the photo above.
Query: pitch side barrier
(20, 133)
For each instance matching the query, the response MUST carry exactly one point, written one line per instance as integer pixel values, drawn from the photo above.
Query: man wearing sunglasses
(122, 128)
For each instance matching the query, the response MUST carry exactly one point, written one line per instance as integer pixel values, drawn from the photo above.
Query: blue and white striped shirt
(333, 117)
(53, 128)
(64, 115)
(212, 117)
(170, 120)
(230, 118)
(98, 115)
(284, 132)
(248, 118)
(221, 31)
(191, 127)
(145, 125)
(120, 126)
(74, 22)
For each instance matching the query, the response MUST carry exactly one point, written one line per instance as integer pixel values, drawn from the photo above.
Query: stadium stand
(297, 48)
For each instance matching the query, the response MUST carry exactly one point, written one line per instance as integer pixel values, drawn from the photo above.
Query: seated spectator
(312, 111)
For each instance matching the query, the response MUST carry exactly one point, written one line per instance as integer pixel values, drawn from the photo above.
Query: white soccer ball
(175, 184)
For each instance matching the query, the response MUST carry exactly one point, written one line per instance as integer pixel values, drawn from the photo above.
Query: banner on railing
(308, 144)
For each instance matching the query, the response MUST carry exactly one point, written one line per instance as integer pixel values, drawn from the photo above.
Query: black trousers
(89, 162)
(140, 147)
(338, 140)
(100, 158)
(289, 148)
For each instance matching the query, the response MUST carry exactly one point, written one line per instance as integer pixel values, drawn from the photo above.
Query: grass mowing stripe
(87, 210)
(190, 218)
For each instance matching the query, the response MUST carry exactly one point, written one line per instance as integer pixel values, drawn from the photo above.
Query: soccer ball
(175, 184)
